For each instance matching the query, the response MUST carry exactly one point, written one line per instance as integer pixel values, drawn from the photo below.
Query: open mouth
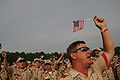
(89, 57)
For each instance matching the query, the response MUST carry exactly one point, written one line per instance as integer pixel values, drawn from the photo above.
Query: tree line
(13, 56)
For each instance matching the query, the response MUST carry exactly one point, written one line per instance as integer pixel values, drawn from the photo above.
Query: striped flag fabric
(78, 25)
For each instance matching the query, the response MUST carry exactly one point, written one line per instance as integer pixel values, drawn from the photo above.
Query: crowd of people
(81, 65)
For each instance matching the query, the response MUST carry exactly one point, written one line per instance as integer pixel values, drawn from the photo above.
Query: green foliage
(13, 56)
(117, 50)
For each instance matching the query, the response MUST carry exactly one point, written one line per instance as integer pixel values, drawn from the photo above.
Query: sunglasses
(21, 61)
(82, 49)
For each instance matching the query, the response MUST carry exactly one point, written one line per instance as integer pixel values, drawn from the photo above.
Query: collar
(75, 73)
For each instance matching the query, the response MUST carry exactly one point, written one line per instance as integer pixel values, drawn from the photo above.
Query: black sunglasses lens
(22, 61)
(85, 48)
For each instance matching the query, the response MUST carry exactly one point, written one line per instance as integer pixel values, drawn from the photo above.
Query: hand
(4, 54)
(100, 22)
(62, 54)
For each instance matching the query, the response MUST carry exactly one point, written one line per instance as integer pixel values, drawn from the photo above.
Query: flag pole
(83, 19)
(79, 24)
(88, 19)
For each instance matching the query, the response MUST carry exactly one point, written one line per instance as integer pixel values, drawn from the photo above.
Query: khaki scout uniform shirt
(53, 75)
(3, 74)
(94, 72)
(36, 73)
(118, 71)
(62, 70)
(21, 74)
(108, 74)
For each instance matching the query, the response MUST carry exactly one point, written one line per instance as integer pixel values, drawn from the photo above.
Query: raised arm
(62, 55)
(4, 55)
(108, 46)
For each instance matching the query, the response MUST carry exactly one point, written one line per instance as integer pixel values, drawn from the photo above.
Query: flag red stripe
(81, 25)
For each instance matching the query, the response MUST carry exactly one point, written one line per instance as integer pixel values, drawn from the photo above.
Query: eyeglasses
(82, 49)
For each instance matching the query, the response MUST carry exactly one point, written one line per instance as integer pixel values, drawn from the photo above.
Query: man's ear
(73, 55)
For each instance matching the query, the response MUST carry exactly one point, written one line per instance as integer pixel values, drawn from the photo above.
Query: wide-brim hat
(36, 59)
(20, 59)
(48, 62)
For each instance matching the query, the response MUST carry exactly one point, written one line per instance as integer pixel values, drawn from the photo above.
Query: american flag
(78, 25)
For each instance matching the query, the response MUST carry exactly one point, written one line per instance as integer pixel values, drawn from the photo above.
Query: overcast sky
(46, 25)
